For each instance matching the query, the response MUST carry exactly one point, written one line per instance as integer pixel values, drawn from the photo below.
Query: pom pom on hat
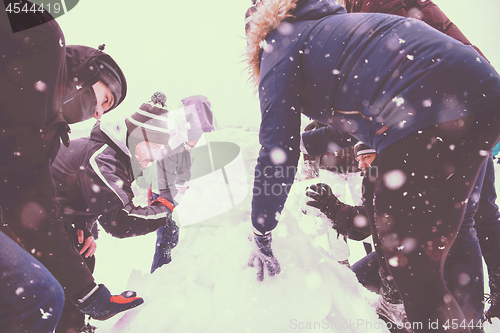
(150, 122)
(159, 98)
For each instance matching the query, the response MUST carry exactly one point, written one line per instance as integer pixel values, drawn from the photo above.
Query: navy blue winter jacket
(375, 78)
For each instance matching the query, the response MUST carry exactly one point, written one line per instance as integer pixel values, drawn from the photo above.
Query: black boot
(390, 307)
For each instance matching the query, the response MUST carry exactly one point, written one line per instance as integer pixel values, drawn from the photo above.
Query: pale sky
(185, 48)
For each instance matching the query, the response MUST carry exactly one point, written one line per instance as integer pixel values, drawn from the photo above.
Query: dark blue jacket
(363, 74)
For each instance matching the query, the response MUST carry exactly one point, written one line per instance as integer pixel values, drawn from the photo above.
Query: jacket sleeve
(106, 187)
(279, 136)
(326, 139)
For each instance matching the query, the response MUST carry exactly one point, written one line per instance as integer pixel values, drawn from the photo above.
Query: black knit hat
(150, 122)
(361, 149)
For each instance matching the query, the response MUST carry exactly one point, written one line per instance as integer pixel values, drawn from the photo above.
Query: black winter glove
(322, 198)
(167, 238)
(264, 255)
(101, 305)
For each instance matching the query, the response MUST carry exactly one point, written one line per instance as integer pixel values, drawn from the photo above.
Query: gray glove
(264, 255)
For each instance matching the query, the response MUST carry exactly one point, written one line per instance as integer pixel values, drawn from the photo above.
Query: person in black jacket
(94, 176)
(42, 90)
(353, 223)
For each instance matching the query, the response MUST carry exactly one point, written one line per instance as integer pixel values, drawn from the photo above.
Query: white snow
(208, 286)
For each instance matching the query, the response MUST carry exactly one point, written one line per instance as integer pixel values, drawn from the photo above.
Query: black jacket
(93, 178)
(32, 89)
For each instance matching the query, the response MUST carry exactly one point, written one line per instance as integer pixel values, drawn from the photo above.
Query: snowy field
(209, 288)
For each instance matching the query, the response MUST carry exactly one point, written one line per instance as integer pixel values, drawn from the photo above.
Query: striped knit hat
(150, 122)
(360, 149)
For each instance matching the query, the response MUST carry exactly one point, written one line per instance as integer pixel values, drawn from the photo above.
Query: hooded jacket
(93, 178)
(375, 78)
(84, 69)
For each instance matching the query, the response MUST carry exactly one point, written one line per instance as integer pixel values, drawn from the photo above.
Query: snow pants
(31, 300)
(425, 181)
(29, 216)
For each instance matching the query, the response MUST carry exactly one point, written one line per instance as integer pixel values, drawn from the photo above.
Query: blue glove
(167, 238)
(101, 305)
(264, 255)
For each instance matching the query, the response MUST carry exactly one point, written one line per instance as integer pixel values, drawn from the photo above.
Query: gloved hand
(167, 238)
(101, 305)
(264, 255)
(322, 198)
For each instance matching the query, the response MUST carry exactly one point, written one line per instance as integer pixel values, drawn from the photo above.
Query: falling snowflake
(398, 100)
(394, 262)
(96, 188)
(427, 103)
(19, 291)
(394, 179)
(401, 41)
(336, 72)
(360, 221)
(40, 86)
(278, 156)
(285, 29)
(45, 315)
(410, 57)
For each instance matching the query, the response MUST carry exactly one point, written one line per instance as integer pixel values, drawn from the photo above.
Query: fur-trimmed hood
(268, 17)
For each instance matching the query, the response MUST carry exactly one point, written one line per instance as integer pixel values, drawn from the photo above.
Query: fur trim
(269, 15)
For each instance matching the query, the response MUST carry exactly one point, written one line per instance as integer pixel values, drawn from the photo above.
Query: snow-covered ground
(208, 286)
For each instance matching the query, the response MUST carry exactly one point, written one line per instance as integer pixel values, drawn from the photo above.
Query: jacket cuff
(164, 202)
